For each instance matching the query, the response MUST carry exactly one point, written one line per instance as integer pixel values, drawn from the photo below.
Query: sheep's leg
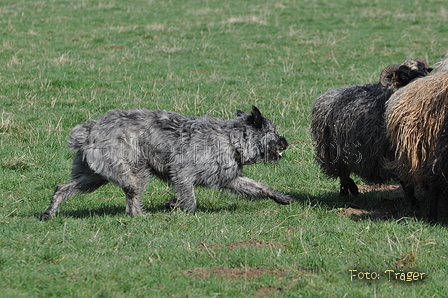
(343, 190)
(347, 184)
(433, 197)
(409, 194)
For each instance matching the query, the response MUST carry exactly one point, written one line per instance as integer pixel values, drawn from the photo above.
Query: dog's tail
(79, 135)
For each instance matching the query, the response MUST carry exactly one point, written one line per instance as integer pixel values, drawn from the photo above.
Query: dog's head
(261, 138)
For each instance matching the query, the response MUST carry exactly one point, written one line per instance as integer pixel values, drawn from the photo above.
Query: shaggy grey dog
(127, 147)
(348, 128)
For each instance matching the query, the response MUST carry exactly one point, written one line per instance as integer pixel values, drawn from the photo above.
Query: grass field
(65, 62)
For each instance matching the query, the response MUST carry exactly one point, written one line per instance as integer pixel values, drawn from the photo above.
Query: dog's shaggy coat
(126, 147)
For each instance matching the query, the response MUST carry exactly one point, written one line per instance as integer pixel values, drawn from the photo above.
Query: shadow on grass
(385, 202)
(84, 213)
(117, 210)
(375, 204)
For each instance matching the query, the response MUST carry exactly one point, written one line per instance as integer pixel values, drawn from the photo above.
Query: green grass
(65, 62)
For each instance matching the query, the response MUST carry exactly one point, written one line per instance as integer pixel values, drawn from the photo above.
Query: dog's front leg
(248, 187)
(133, 204)
(186, 199)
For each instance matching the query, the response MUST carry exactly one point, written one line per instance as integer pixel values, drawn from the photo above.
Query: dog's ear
(255, 118)
(240, 113)
(257, 114)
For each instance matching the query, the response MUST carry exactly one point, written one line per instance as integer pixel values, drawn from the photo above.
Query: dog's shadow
(151, 209)
(372, 205)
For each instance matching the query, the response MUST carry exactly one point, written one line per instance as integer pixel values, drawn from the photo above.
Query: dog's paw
(171, 204)
(282, 199)
(46, 216)
(183, 205)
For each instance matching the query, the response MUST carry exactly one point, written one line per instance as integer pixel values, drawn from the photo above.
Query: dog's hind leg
(83, 184)
(61, 193)
(84, 181)
(248, 187)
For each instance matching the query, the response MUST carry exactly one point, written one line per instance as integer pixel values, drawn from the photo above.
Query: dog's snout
(283, 143)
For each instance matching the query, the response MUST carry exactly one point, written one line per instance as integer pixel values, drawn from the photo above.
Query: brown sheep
(417, 124)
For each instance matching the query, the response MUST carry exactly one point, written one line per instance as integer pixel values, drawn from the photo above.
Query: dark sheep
(348, 128)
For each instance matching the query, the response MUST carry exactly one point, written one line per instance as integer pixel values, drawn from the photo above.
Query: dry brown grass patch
(387, 188)
(362, 213)
(233, 273)
(247, 272)
(251, 243)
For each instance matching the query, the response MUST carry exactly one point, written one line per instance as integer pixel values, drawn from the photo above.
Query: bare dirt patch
(393, 193)
(362, 213)
(284, 278)
(268, 292)
(233, 273)
(251, 243)
(245, 272)
(389, 188)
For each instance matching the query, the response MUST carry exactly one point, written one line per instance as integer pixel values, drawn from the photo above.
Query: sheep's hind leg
(432, 195)
(347, 184)
(409, 196)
